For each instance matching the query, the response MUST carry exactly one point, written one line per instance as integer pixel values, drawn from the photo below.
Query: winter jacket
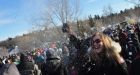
(53, 64)
(53, 67)
(106, 67)
(135, 66)
(28, 68)
(9, 69)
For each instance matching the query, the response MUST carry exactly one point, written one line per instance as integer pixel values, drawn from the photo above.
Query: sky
(17, 16)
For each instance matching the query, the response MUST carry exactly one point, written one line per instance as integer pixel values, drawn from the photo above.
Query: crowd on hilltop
(115, 51)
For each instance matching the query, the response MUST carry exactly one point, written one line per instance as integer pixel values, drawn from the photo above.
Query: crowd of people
(111, 52)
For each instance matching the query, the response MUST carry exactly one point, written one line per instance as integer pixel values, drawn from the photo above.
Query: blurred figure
(78, 50)
(26, 67)
(1, 63)
(135, 66)
(39, 59)
(9, 68)
(53, 65)
(73, 71)
(123, 41)
(137, 30)
(65, 52)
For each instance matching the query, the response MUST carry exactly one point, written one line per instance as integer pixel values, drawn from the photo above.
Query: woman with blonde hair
(105, 56)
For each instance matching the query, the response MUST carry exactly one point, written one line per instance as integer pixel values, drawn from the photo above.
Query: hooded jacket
(53, 65)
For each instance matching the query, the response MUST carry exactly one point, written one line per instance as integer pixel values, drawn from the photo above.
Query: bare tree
(91, 21)
(56, 13)
(61, 11)
(107, 10)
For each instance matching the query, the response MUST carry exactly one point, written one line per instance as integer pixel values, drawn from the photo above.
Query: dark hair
(23, 57)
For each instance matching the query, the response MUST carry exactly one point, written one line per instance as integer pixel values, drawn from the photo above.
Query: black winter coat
(106, 67)
(27, 68)
(135, 66)
(53, 67)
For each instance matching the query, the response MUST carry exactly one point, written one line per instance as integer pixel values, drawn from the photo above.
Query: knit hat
(52, 54)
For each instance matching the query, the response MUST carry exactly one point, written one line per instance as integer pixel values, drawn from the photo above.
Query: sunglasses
(96, 41)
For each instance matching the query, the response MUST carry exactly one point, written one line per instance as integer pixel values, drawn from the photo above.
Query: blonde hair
(110, 49)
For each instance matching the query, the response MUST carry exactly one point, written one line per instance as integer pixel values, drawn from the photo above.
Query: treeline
(42, 38)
